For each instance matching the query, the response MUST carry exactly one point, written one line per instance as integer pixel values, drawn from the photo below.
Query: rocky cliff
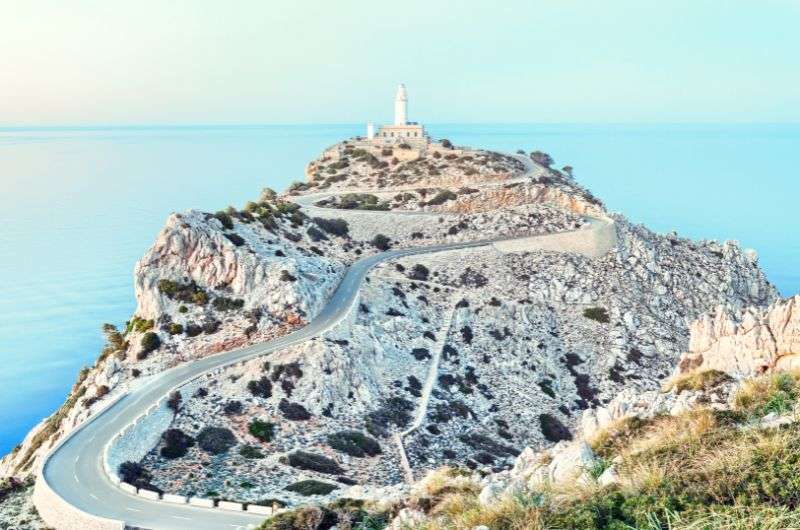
(746, 342)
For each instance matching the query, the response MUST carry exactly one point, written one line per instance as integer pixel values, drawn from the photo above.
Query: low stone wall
(61, 515)
(143, 434)
(138, 438)
(592, 241)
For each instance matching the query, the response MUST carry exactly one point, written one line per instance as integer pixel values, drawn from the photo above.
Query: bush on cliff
(293, 411)
(336, 227)
(314, 462)
(176, 443)
(262, 430)
(354, 443)
(311, 487)
(261, 387)
(215, 440)
(136, 475)
(381, 242)
(598, 314)
(150, 342)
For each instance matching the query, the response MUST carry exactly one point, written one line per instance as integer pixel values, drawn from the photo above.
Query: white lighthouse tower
(402, 131)
(401, 106)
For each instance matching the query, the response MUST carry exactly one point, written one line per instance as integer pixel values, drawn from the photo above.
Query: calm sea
(78, 206)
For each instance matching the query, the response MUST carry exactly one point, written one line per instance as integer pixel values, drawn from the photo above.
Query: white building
(402, 131)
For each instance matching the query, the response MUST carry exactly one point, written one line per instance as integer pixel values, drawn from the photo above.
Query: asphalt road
(74, 471)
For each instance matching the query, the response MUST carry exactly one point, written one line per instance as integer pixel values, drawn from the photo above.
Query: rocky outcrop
(195, 246)
(746, 342)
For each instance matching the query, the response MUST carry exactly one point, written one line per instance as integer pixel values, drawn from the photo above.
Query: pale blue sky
(152, 61)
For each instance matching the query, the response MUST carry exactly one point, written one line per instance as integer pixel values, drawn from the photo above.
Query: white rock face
(193, 246)
(564, 463)
(746, 342)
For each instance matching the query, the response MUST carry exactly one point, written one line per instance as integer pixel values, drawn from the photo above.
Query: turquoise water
(78, 206)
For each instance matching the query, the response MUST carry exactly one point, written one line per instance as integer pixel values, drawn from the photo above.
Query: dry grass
(776, 392)
(696, 471)
(696, 380)
(633, 435)
(739, 518)
(463, 512)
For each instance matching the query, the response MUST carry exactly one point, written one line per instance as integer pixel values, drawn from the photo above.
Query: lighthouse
(401, 106)
(401, 132)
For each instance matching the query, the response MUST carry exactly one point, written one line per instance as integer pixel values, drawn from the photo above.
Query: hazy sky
(264, 61)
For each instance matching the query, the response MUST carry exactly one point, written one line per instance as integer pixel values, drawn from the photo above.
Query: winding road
(74, 471)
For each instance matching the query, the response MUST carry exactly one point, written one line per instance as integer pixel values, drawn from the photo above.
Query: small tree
(174, 401)
(567, 170)
(542, 158)
(447, 144)
(150, 342)
(381, 242)
(267, 195)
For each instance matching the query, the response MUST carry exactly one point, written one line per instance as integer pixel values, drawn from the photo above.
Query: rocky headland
(503, 360)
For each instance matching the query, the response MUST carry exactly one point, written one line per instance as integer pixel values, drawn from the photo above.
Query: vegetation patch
(552, 428)
(336, 227)
(697, 380)
(293, 411)
(222, 303)
(393, 411)
(598, 314)
(354, 443)
(188, 292)
(251, 452)
(311, 487)
(261, 387)
(262, 430)
(215, 440)
(314, 462)
(176, 443)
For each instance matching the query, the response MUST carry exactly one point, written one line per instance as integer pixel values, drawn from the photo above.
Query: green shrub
(442, 197)
(311, 487)
(183, 292)
(597, 313)
(135, 474)
(542, 158)
(263, 430)
(336, 227)
(769, 393)
(354, 443)
(175, 329)
(236, 239)
(225, 219)
(381, 242)
(176, 443)
(174, 401)
(215, 440)
(261, 387)
(150, 342)
(392, 411)
(314, 462)
(222, 303)
(293, 411)
(251, 452)
(139, 325)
